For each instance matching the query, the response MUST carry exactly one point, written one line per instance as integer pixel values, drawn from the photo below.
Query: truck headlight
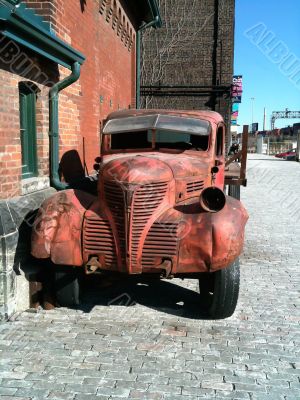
(212, 199)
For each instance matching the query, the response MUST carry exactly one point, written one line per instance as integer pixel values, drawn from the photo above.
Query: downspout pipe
(154, 22)
(54, 126)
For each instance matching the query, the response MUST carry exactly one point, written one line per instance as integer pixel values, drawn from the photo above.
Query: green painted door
(28, 130)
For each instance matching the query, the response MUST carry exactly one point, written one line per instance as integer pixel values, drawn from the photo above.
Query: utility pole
(252, 108)
(265, 117)
(264, 128)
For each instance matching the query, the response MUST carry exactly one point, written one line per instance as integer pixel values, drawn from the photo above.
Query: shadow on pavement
(161, 295)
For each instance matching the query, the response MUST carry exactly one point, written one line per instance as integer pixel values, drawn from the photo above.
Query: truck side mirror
(96, 166)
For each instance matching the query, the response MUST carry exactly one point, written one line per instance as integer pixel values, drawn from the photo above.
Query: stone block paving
(147, 341)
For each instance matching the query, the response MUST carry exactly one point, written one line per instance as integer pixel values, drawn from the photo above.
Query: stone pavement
(146, 341)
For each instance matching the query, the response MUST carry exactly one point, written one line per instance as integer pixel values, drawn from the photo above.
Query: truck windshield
(158, 131)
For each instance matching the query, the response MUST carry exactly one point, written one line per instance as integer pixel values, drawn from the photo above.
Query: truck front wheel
(219, 291)
(67, 288)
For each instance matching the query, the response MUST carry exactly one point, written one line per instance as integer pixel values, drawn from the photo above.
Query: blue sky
(267, 41)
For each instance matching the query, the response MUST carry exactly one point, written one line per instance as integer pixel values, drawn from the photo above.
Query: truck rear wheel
(219, 291)
(67, 288)
(234, 191)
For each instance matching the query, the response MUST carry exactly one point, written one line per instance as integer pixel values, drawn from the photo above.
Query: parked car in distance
(287, 155)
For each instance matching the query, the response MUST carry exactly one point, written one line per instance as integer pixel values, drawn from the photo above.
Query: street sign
(237, 88)
(254, 127)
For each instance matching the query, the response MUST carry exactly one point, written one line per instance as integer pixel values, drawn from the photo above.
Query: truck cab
(160, 209)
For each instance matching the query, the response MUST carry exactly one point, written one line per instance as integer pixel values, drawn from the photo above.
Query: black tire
(67, 288)
(234, 191)
(219, 291)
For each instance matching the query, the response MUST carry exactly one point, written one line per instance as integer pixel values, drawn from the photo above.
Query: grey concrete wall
(16, 264)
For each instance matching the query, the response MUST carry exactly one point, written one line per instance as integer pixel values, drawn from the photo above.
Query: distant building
(188, 63)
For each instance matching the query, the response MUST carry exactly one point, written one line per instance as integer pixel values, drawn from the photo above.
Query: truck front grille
(194, 186)
(144, 202)
(98, 239)
(114, 196)
(161, 243)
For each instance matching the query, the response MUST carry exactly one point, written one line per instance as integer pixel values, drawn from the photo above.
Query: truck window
(130, 140)
(163, 139)
(136, 132)
(180, 140)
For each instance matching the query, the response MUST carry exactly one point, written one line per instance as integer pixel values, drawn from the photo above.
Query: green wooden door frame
(28, 96)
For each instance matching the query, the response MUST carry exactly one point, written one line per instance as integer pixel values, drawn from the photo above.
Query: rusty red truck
(160, 208)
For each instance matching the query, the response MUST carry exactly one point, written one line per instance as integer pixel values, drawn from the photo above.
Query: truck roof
(210, 116)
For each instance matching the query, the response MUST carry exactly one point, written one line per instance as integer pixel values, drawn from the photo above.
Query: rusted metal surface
(147, 216)
(58, 227)
(215, 240)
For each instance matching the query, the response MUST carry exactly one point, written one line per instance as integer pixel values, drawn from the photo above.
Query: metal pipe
(212, 199)
(154, 22)
(54, 126)
(138, 70)
(181, 94)
(221, 87)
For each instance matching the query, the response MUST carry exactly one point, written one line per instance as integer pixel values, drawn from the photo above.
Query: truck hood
(156, 166)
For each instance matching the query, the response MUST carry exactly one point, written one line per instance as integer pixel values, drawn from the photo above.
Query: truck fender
(214, 240)
(57, 229)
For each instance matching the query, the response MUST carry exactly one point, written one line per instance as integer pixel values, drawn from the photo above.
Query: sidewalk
(153, 349)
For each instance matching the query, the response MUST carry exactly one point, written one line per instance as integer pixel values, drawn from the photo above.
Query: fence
(279, 147)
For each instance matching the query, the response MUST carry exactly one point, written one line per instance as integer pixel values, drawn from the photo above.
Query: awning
(23, 26)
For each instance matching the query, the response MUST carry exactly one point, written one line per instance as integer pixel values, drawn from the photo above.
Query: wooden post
(244, 152)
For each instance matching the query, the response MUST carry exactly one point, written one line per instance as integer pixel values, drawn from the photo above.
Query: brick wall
(194, 47)
(11, 74)
(10, 148)
(104, 34)
(107, 78)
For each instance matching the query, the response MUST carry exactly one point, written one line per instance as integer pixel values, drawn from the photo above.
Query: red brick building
(64, 65)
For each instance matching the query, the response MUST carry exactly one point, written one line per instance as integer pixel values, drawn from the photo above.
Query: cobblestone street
(147, 341)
